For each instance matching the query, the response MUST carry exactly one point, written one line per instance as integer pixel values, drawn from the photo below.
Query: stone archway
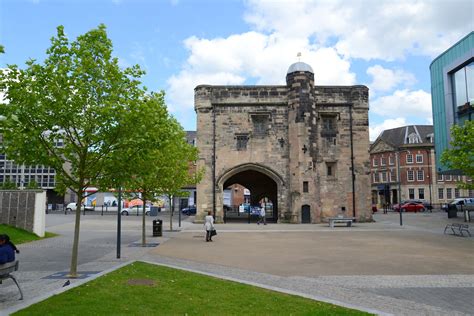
(260, 180)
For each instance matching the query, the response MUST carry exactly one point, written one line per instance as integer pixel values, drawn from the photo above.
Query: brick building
(411, 150)
(303, 147)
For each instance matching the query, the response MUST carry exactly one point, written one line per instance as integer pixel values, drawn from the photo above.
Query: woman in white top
(209, 225)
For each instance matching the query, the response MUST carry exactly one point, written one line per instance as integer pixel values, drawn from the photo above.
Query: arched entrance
(264, 185)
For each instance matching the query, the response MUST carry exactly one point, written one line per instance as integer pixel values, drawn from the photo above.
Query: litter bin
(452, 211)
(154, 211)
(157, 228)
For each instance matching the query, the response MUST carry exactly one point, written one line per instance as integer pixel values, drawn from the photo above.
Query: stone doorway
(263, 191)
(306, 214)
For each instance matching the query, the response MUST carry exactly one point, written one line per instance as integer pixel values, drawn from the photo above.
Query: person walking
(261, 218)
(209, 226)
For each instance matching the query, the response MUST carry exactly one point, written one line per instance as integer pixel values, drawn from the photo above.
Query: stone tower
(302, 146)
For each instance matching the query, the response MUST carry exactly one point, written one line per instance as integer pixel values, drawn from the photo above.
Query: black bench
(457, 228)
(5, 273)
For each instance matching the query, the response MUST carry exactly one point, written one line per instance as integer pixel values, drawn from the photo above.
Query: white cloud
(403, 102)
(384, 79)
(368, 29)
(262, 58)
(376, 129)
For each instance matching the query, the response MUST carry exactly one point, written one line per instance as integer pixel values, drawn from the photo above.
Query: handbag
(213, 232)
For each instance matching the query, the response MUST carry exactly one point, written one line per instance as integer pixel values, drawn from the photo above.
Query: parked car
(135, 210)
(459, 203)
(72, 207)
(190, 210)
(425, 204)
(412, 207)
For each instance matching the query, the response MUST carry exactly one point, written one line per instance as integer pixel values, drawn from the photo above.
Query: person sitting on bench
(7, 253)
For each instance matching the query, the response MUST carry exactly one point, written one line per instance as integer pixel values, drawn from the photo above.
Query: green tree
(461, 154)
(72, 112)
(172, 156)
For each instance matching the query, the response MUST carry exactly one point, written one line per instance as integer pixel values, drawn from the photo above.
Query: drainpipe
(352, 163)
(214, 161)
(428, 152)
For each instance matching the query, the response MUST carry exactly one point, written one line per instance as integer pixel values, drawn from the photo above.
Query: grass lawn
(20, 236)
(145, 289)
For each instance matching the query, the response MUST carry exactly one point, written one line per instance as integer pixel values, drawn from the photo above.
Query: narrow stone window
(331, 169)
(329, 127)
(260, 123)
(305, 187)
(242, 140)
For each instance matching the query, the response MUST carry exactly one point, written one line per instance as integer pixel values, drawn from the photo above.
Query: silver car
(135, 210)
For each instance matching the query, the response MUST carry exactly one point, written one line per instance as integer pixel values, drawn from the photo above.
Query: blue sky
(386, 45)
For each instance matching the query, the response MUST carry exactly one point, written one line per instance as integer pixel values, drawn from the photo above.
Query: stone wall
(293, 149)
(24, 209)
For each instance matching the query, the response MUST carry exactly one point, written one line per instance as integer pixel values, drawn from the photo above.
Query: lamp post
(399, 187)
(119, 221)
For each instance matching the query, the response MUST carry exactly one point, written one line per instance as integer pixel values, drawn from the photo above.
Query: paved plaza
(379, 267)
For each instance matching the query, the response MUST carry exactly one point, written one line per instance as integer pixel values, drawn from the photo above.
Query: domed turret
(299, 66)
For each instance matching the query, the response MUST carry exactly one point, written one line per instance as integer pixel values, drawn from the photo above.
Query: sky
(385, 45)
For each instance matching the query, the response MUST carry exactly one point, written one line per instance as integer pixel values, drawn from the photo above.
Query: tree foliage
(165, 167)
(73, 112)
(461, 154)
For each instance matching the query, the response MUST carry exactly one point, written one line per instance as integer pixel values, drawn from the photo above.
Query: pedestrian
(7, 253)
(209, 226)
(261, 218)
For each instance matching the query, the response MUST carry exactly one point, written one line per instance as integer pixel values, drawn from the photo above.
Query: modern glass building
(452, 92)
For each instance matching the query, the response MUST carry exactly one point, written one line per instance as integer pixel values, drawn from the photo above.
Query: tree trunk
(75, 245)
(143, 222)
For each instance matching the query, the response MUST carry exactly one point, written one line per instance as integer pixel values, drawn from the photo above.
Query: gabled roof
(408, 135)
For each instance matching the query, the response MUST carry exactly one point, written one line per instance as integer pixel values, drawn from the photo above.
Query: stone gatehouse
(304, 147)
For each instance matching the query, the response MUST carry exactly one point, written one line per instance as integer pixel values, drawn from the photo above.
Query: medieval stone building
(303, 147)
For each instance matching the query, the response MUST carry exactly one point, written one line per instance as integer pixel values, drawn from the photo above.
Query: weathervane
(299, 56)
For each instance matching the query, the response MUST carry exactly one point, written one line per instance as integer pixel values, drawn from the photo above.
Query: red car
(412, 207)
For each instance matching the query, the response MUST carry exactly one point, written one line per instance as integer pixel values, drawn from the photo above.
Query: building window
(260, 123)
(375, 162)
(419, 158)
(305, 186)
(421, 194)
(383, 161)
(471, 193)
(409, 158)
(456, 193)
(390, 161)
(463, 86)
(448, 177)
(449, 193)
(331, 169)
(440, 193)
(384, 176)
(242, 141)
(411, 194)
(413, 138)
(420, 175)
(410, 175)
(393, 176)
(440, 178)
(329, 124)
(376, 177)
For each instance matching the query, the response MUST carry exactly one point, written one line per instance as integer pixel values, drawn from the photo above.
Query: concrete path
(380, 267)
